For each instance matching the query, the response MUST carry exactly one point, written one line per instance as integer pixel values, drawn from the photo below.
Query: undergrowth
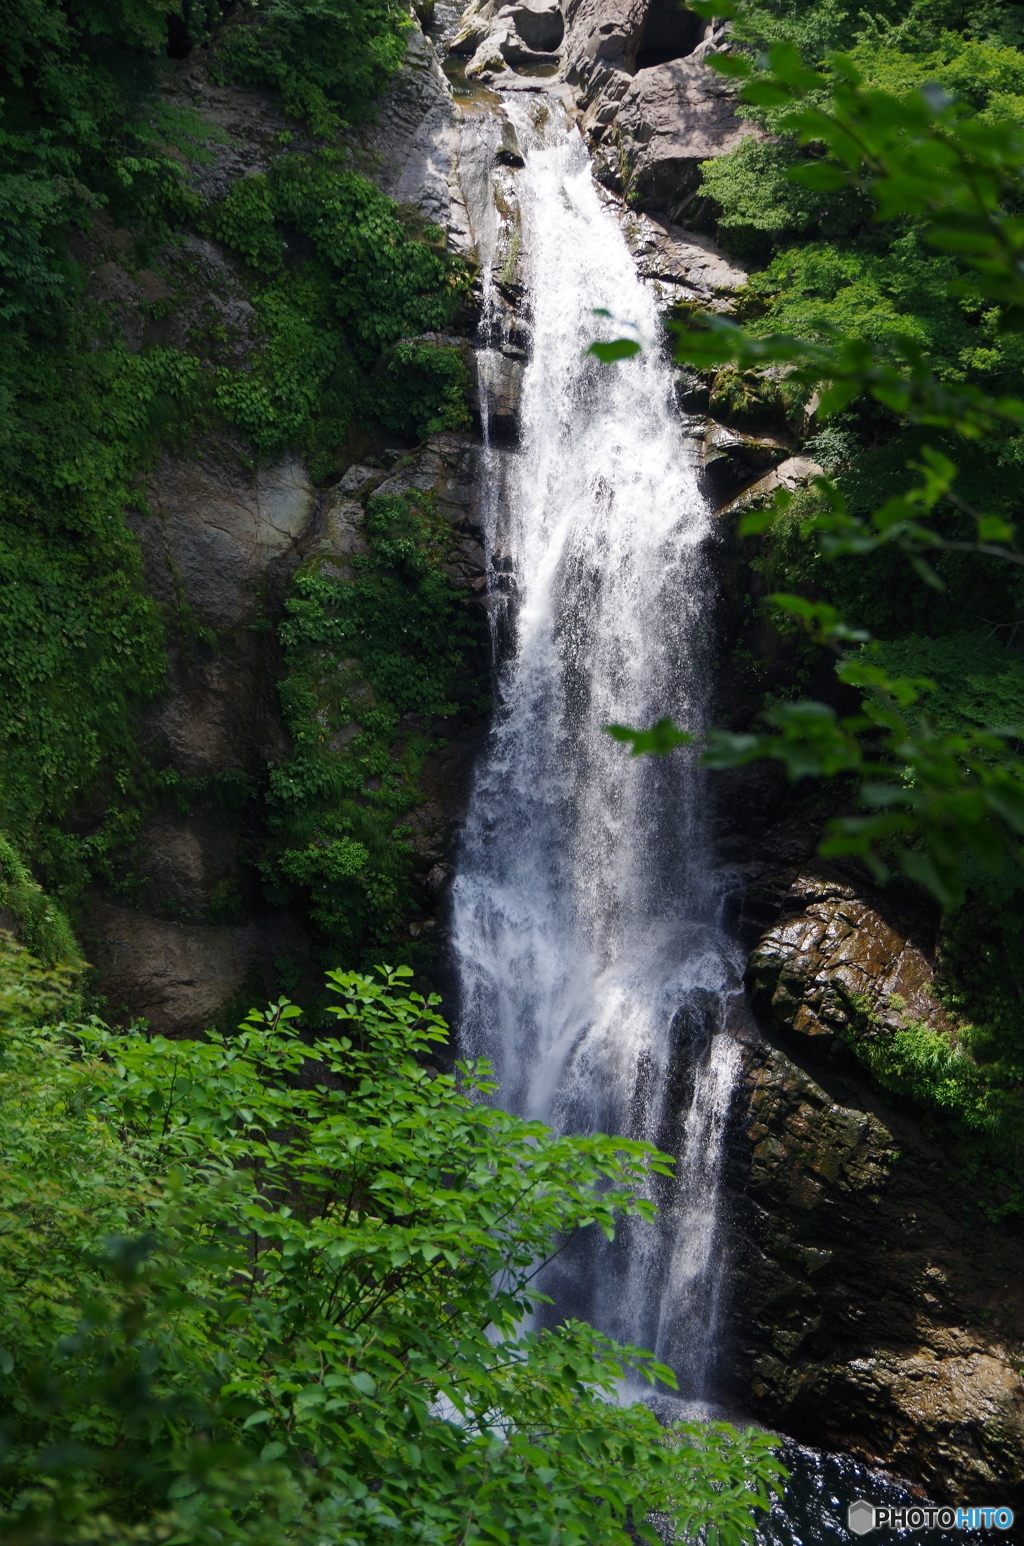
(331, 324)
(970, 1089)
(374, 657)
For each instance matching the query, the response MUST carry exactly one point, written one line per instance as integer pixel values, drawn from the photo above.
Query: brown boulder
(833, 964)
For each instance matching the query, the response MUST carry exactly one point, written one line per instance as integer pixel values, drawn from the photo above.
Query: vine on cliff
(331, 320)
(374, 657)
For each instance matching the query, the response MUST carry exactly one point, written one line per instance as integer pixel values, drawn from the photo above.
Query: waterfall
(593, 970)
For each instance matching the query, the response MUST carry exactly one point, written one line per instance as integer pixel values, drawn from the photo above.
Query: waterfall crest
(593, 971)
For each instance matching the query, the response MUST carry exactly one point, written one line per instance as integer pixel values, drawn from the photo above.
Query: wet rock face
(879, 1311)
(832, 963)
(215, 528)
(411, 149)
(218, 543)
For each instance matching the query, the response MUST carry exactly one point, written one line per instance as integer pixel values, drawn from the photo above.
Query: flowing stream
(594, 972)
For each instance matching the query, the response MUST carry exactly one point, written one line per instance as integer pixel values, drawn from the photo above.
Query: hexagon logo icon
(860, 1517)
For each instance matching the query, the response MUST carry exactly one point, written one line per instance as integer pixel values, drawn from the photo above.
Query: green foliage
(371, 277)
(422, 385)
(268, 1289)
(329, 59)
(80, 641)
(980, 1104)
(969, 1081)
(901, 293)
(982, 971)
(31, 992)
(40, 923)
(900, 33)
(935, 798)
(758, 204)
(373, 657)
(885, 594)
(976, 681)
(339, 278)
(75, 136)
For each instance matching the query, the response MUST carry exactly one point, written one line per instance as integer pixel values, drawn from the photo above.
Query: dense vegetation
(875, 207)
(94, 150)
(271, 1289)
(361, 732)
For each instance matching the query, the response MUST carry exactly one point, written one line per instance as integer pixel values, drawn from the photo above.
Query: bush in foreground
(272, 1289)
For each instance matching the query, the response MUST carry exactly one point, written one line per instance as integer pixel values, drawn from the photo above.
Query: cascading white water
(593, 970)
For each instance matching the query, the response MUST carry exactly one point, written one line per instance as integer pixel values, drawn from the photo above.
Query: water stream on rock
(594, 970)
(594, 973)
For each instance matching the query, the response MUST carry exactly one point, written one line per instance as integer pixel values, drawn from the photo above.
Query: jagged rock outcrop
(790, 473)
(831, 962)
(879, 1310)
(670, 119)
(498, 35)
(411, 150)
(686, 268)
(648, 101)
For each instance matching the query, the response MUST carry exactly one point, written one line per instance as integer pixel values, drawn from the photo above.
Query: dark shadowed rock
(792, 473)
(180, 976)
(539, 23)
(833, 962)
(879, 1310)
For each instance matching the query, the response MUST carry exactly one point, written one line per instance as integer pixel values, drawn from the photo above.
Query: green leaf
(618, 349)
(992, 529)
(662, 738)
(736, 66)
(712, 8)
(754, 522)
